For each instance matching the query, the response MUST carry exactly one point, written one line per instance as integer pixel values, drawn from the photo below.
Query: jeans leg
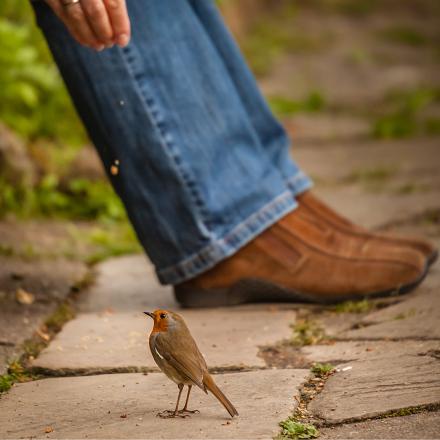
(270, 132)
(193, 174)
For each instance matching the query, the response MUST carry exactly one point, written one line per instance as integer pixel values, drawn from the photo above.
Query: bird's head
(164, 320)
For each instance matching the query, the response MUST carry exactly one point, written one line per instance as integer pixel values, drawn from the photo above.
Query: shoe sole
(259, 291)
(432, 258)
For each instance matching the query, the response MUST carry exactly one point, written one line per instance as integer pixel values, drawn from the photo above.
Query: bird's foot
(187, 411)
(167, 414)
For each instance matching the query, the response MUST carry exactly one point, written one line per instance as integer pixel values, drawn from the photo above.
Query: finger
(117, 11)
(98, 19)
(58, 9)
(77, 20)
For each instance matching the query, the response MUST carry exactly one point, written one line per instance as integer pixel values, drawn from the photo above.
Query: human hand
(94, 23)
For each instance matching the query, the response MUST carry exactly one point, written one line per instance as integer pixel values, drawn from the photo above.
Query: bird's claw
(167, 414)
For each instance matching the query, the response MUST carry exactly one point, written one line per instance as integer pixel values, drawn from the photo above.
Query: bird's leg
(185, 408)
(167, 414)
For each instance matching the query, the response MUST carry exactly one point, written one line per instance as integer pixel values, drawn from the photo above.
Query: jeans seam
(223, 247)
(299, 182)
(167, 142)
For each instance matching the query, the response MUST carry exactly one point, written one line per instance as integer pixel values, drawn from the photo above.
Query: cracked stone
(348, 351)
(417, 316)
(229, 338)
(376, 386)
(416, 426)
(92, 406)
(48, 281)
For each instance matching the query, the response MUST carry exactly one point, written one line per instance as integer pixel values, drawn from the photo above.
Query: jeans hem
(299, 183)
(224, 247)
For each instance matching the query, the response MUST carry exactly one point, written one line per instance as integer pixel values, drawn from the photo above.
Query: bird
(177, 355)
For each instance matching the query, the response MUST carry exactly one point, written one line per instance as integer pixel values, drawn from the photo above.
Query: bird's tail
(209, 383)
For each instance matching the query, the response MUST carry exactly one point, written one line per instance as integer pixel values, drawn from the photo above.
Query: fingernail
(122, 40)
(100, 47)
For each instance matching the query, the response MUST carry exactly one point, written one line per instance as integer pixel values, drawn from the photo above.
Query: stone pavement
(387, 355)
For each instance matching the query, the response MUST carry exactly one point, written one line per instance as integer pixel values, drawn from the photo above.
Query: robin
(177, 355)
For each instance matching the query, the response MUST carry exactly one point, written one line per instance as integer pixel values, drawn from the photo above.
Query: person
(202, 165)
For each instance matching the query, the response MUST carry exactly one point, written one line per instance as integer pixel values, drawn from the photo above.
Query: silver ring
(67, 3)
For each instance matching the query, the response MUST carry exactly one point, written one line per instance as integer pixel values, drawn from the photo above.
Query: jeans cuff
(299, 183)
(224, 247)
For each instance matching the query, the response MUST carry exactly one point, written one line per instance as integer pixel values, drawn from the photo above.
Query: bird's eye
(163, 315)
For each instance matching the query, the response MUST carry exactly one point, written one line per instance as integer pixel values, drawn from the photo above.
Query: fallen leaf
(24, 297)
(123, 416)
(43, 335)
(48, 429)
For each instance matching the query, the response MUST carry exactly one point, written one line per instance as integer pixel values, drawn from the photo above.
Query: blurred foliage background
(374, 61)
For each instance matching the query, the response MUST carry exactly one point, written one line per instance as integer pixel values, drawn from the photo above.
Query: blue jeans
(204, 166)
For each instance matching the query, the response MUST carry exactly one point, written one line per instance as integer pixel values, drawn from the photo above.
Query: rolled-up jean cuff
(299, 183)
(226, 246)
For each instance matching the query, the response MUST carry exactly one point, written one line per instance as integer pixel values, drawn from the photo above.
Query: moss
(307, 332)
(64, 313)
(16, 373)
(362, 306)
(404, 35)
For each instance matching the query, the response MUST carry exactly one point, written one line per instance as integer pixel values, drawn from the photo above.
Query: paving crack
(19, 369)
(432, 407)
(72, 372)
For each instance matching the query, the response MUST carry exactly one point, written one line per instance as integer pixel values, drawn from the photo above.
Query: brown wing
(183, 354)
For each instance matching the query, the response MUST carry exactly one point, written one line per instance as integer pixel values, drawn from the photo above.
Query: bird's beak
(150, 314)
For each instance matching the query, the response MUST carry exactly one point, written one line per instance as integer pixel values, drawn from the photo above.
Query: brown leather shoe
(335, 221)
(287, 263)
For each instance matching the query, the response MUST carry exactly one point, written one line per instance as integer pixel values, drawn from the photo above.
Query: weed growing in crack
(322, 370)
(307, 332)
(16, 373)
(362, 306)
(291, 429)
(301, 425)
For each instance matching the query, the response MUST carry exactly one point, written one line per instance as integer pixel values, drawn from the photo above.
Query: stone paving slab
(125, 406)
(229, 339)
(374, 210)
(46, 283)
(416, 426)
(124, 284)
(349, 351)
(374, 202)
(375, 386)
(417, 316)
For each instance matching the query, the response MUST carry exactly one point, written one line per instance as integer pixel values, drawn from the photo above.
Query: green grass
(404, 117)
(291, 429)
(282, 106)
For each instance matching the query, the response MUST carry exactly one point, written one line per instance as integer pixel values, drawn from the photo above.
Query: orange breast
(160, 325)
